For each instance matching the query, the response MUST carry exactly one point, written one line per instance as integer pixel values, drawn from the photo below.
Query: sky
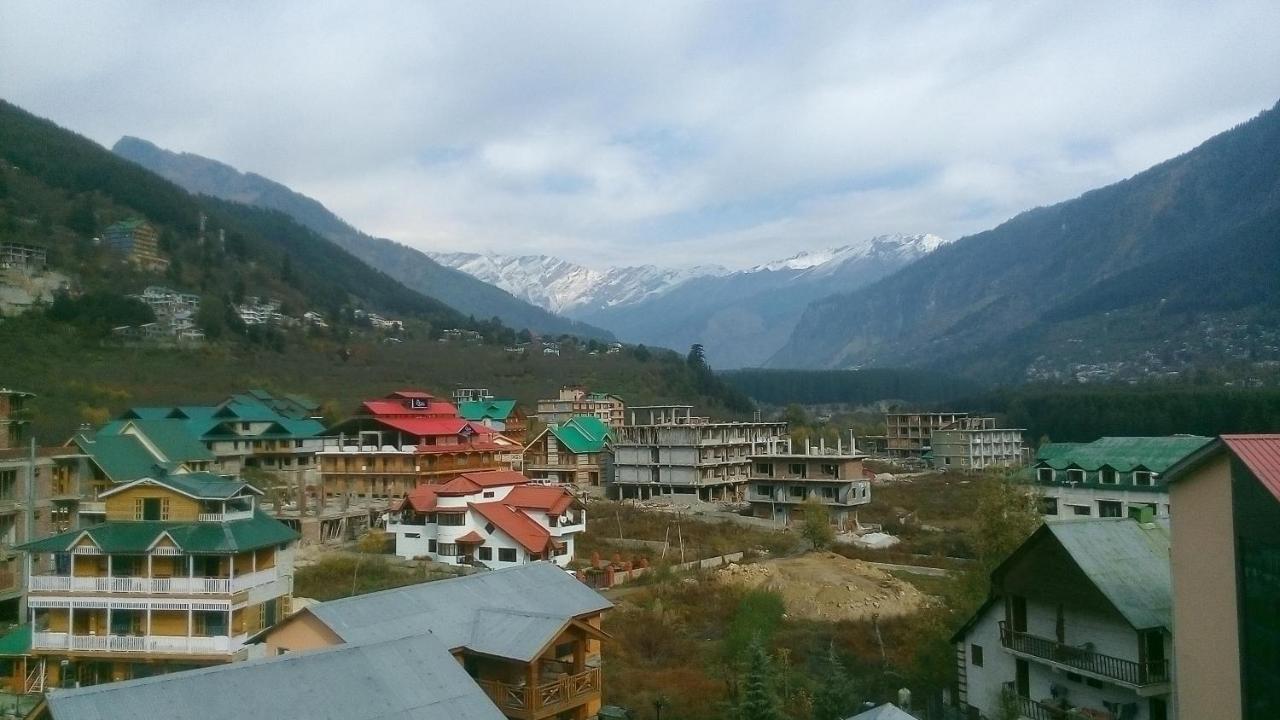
(671, 133)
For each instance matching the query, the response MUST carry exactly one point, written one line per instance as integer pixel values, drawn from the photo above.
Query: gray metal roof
(513, 634)
(887, 711)
(449, 609)
(1127, 560)
(412, 677)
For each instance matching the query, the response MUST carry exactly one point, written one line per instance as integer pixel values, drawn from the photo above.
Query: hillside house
(529, 636)
(492, 519)
(180, 572)
(575, 452)
(1079, 620)
(1109, 477)
(1226, 578)
(780, 483)
(501, 416)
(665, 450)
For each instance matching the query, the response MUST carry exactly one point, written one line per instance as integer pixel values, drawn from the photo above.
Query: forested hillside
(411, 267)
(1169, 271)
(848, 387)
(60, 190)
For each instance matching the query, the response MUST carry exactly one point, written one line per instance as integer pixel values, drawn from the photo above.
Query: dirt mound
(826, 586)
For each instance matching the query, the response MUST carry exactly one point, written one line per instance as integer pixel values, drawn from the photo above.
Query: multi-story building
(495, 518)
(909, 435)
(1226, 578)
(1109, 477)
(529, 635)
(576, 451)
(181, 571)
(666, 450)
(782, 482)
(575, 401)
(976, 443)
(22, 256)
(137, 240)
(1078, 625)
(409, 438)
(502, 416)
(13, 419)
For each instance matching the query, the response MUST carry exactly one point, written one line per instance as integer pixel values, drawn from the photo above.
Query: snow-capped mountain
(740, 317)
(567, 288)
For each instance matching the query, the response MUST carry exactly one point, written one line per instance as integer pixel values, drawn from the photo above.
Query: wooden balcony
(1130, 673)
(552, 698)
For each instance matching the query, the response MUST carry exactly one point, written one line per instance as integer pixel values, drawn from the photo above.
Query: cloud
(674, 133)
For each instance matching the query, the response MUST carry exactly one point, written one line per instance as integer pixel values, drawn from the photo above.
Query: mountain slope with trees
(1174, 268)
(409, 266)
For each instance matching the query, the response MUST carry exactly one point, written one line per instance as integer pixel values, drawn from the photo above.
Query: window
(764, 490)
(1110, 508)
(488, 527)
(454, 519)
(1144, 478)
(796, 491)
(1107, 476)
(1045, 474)
(1075, 475)
(488, 493)
(431, 545)
(415, 536)
(797, 470)
(1081, 509)
(1048, 506)
(506, 555)
(830, 470)
(486, 553)
(151, 509)
(975, 655)
(447, 550)
(8, 484)
(828, 492)
(561, 550)
(765, 469)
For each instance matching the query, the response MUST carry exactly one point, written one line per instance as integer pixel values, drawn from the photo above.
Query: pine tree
(835, 697)
(759, 700)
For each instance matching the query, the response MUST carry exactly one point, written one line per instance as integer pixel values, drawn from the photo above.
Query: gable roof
(1261, 454)
(1127, 561)
(551, 498)
(449, 609)
(519, 527)
(486, 409)
(474, 482)
(201, 485)
(120, 457)
(1124, 454)
(399, 679)
(200, 538)
(582, 434)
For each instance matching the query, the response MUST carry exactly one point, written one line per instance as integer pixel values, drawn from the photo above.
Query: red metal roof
(474, 482)
(426, 427)
(471, 537)
(398, 408)
(1261, 453)
(554, 500)
(421, 498)
(520, 527)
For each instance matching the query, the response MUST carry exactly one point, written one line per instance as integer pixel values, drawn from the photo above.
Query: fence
(611, 577)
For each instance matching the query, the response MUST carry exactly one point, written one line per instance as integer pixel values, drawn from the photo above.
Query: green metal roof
(121, 457)
(1121, 453)
(174, 439)
(582, 434)
(201, 485)
(1127, 560)
(197, 538)
(486, 409)
(16, 642)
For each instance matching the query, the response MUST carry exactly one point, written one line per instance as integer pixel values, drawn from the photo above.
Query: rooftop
(197, 538)
(1124, 454)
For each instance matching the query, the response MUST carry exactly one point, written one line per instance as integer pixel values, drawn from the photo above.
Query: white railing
(225, 516)
(93, 507)
(176, 644)
(156, 586)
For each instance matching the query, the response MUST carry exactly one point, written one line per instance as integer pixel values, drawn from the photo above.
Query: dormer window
(1145, 478)
(1045, 474)
(1108, 476)
(1075, 475)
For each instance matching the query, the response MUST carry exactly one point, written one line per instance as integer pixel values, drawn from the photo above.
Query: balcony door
(1018, 613)
(1151, 653)
(1022, 678)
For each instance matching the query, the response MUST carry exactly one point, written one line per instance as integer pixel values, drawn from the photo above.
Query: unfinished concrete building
(665, 450)
(783, 482)
(977, 443)
(910, 435)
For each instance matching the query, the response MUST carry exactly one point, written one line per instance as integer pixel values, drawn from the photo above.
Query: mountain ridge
(407, 265)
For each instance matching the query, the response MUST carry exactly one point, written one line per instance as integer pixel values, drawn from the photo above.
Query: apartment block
(13, 419)
(781, 483)
(138, 241)
(1226, 578)
(910, 435)
(183, 569)
(976, 443)
(1078, 624)
(1109, 477)
(575, 452)
(576, 401)
(667, 451)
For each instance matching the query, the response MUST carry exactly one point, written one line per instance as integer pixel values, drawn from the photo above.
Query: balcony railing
(152, 586)
(225, 516)
(556, 696)
(93, 507)
(176, 644)
(1032, 710)
(1128, 672)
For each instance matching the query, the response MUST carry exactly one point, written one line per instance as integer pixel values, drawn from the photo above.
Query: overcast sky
(650, 132)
